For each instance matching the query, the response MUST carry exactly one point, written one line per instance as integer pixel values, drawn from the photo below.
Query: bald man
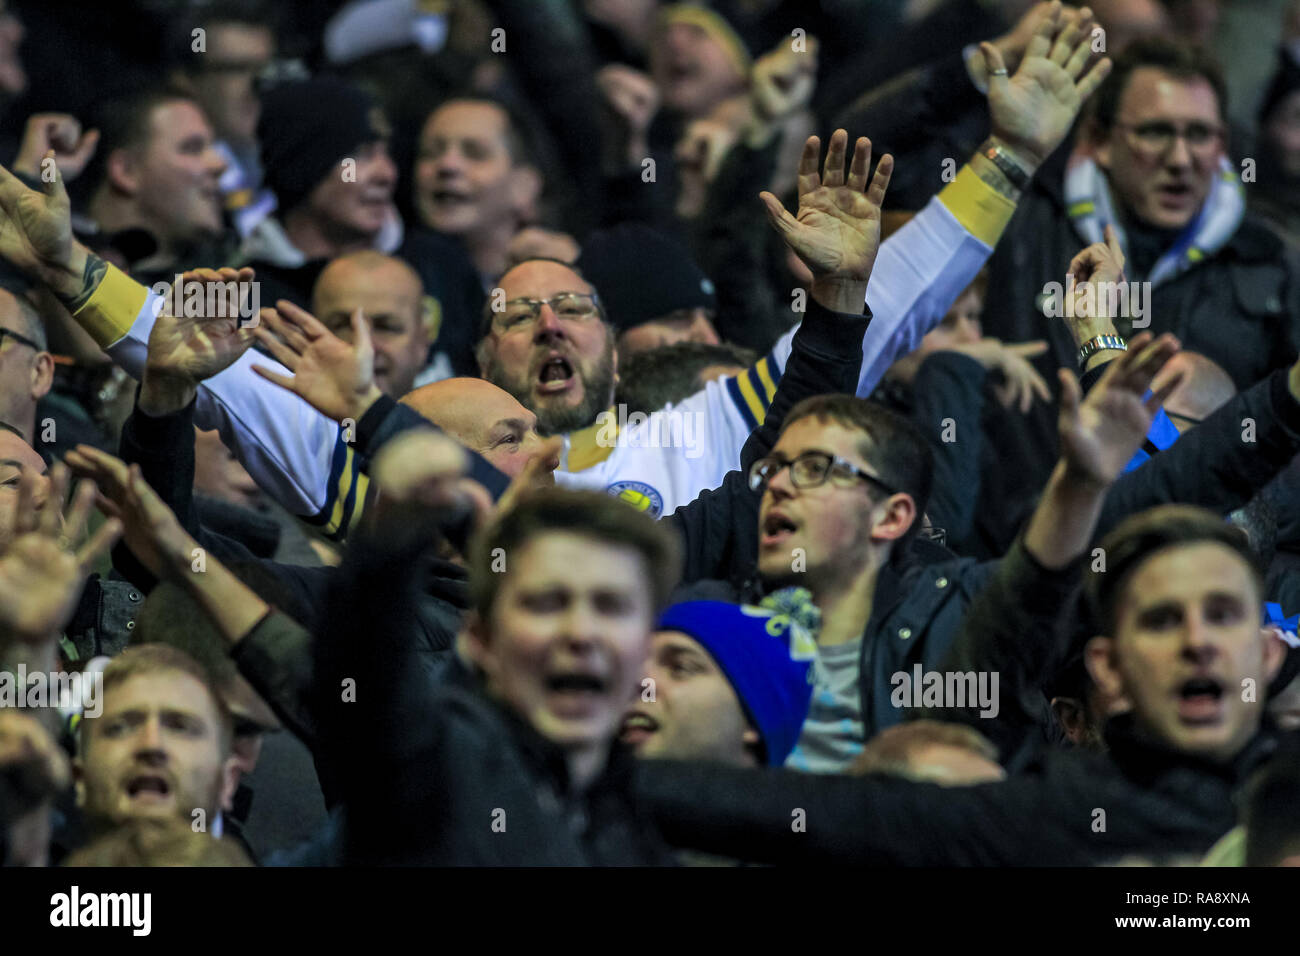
(391, 297)
(488, 420)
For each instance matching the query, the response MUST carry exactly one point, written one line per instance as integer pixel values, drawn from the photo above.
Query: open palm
(195, 348)
(1100, 434)
(1035, 108)
(837, 229)
(41, 576)
(335, 377)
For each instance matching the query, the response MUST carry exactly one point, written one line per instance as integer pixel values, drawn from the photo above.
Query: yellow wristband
(113, 307)
(982, 210)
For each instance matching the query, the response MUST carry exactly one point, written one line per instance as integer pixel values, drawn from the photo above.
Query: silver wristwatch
(1101, 343)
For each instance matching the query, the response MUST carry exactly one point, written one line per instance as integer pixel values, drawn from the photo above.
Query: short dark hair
(892, 444)
(590, 514)
(123, 123)
(1180, 60)
(1142, 535)
(651, 379)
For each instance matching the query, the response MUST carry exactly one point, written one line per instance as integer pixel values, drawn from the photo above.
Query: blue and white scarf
(1090, 207)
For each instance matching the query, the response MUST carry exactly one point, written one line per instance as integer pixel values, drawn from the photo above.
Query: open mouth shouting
(555, 375)
(1200, 701)
(575, 693)
(149, 789)
(637, 728)
(1177, 195)
(777, 529)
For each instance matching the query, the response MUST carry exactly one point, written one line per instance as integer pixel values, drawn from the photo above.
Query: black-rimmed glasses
(810, 470)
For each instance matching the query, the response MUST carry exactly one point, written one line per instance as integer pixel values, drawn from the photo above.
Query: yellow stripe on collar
(590, 446)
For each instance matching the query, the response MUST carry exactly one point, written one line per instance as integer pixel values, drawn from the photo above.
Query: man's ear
(430, 317)
(900, 514)
(483, 355)
(525, 191)
(1274, 654)
(1070, 715)
(123, 172)
(229, 783)
(753, 744)
(42, 375)
(1100, 660)
(473, 644)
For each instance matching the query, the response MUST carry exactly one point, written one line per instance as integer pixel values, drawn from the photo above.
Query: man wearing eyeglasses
(1154, 165)
(26, 366)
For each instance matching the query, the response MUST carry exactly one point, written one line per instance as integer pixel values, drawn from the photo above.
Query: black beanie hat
(307, 129)
(1285, 82)
(641, 274)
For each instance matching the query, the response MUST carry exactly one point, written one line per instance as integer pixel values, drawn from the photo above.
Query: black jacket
(1240, 307)
(442, 774)
(1073, 809)
(920, 597)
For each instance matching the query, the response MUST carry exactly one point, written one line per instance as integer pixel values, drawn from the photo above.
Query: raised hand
(1101, 433)
(42, 571)
(36, 233)
(1033, 110)
(151, 530)
(837, 230)
(782, 80)
(61, 133)
(631, 100)
(334, 377)
(185, 350)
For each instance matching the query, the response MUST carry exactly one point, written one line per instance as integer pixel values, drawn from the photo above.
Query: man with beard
(557, 355)
(545, 338)
(160, 748)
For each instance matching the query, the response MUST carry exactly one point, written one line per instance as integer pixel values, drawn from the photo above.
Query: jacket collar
(1090, 207)
(1133, 752)
(544, 754)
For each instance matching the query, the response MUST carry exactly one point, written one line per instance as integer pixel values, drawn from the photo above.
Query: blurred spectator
(658, 377)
